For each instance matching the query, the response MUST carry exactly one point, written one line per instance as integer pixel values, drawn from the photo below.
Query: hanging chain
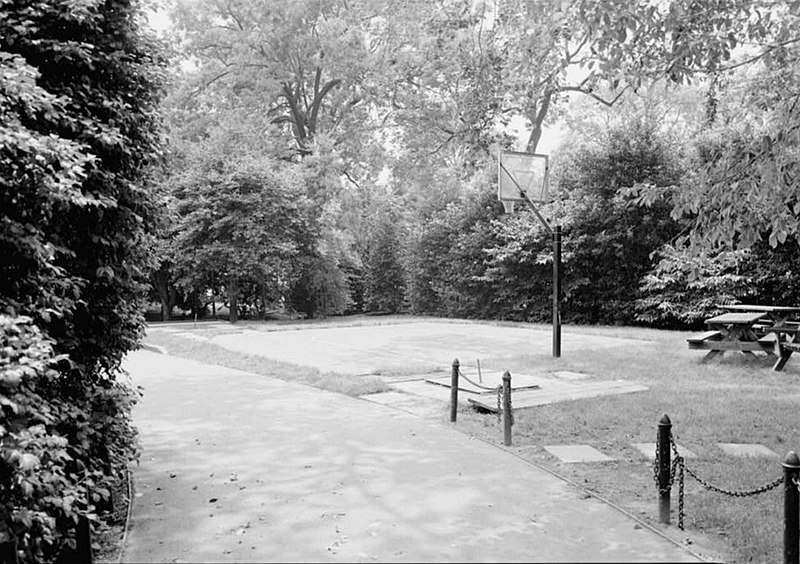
(510, 407)
(733, 493)
(677, 469)
(500, 405)
(480, 386)
(681, 512)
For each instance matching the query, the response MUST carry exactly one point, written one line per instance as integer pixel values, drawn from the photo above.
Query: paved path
(239, 467)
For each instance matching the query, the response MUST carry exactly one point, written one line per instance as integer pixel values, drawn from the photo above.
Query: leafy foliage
(79, 121)
(385, 275)
(241, 221)
(79, 88)
(60, 447)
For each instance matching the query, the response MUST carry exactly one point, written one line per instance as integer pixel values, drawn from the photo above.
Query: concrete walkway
(240, 467)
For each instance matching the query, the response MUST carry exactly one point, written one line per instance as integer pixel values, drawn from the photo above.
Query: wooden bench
(707, 336)
(788, 329)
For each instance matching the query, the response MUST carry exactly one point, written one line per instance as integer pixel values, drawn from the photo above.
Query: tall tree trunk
(537, 119)
(264, 297)
(166, 292)
(233, 299)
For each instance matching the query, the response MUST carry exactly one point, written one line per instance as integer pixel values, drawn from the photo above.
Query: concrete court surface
(422, 345)
(240, 467)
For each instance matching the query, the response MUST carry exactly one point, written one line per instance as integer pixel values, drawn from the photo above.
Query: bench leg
(710, 355)
(782, 360)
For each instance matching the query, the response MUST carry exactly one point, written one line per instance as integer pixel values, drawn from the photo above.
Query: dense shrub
(60, 448)
(686, 288)
(79, 128)
(79, 89)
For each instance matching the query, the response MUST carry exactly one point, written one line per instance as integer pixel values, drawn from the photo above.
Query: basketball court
(415, 356)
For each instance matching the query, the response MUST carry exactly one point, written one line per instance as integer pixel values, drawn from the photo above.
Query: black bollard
(664, 463)
(507, 408)
(791, 519)
(454, 392)
(83, 541)
(8, 551)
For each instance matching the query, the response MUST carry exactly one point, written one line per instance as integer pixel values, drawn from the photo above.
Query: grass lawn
(737, 399)
(733, 400)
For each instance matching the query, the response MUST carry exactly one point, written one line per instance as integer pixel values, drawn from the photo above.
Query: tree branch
(761, 55)
(297, 115)
(603, 101)
(330, 85)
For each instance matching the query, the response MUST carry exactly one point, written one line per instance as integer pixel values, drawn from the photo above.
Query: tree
(298, 62)
(742, 187)
(385, 276)
(609, 241)
(79, 127)
(242, 220)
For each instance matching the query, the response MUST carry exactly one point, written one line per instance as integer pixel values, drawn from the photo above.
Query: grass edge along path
(210, 353)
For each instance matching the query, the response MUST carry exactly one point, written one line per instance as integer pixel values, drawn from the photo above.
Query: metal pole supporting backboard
(556, 292)
(531, 168)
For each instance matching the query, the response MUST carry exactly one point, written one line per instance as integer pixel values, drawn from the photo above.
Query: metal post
(8, 551)
(507, 408)
(664, 463)
(791, 508)
(454, 391)
(556, 292)
(83, 541)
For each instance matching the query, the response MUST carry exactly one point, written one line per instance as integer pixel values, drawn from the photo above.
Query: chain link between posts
(500, 405)
(677, 469)
(499, 390)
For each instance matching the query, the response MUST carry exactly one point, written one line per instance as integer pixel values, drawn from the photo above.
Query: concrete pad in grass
(745, 450)
(577, 453)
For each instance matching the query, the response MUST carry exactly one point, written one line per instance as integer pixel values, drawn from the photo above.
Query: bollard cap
(664, 420)
(455, 362)
(506, 375)
(791, 460)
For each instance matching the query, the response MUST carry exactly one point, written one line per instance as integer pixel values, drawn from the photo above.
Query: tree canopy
(397, 108)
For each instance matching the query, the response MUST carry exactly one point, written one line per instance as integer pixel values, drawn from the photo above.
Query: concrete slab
(567, 375)
(236, 467)
(745, 450)
(554, 391)
(471, 384)
(649, 450)
(577, 453)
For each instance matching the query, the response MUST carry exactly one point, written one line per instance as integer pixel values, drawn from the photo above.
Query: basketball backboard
(520, 175)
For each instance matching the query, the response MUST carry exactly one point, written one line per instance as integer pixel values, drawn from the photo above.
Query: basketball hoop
(522, 177)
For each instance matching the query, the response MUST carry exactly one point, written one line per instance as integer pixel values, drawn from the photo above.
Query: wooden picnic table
(777, 315)
(750, 329)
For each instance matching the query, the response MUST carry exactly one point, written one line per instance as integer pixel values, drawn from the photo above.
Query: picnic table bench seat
(707, 336)
(793, 347)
